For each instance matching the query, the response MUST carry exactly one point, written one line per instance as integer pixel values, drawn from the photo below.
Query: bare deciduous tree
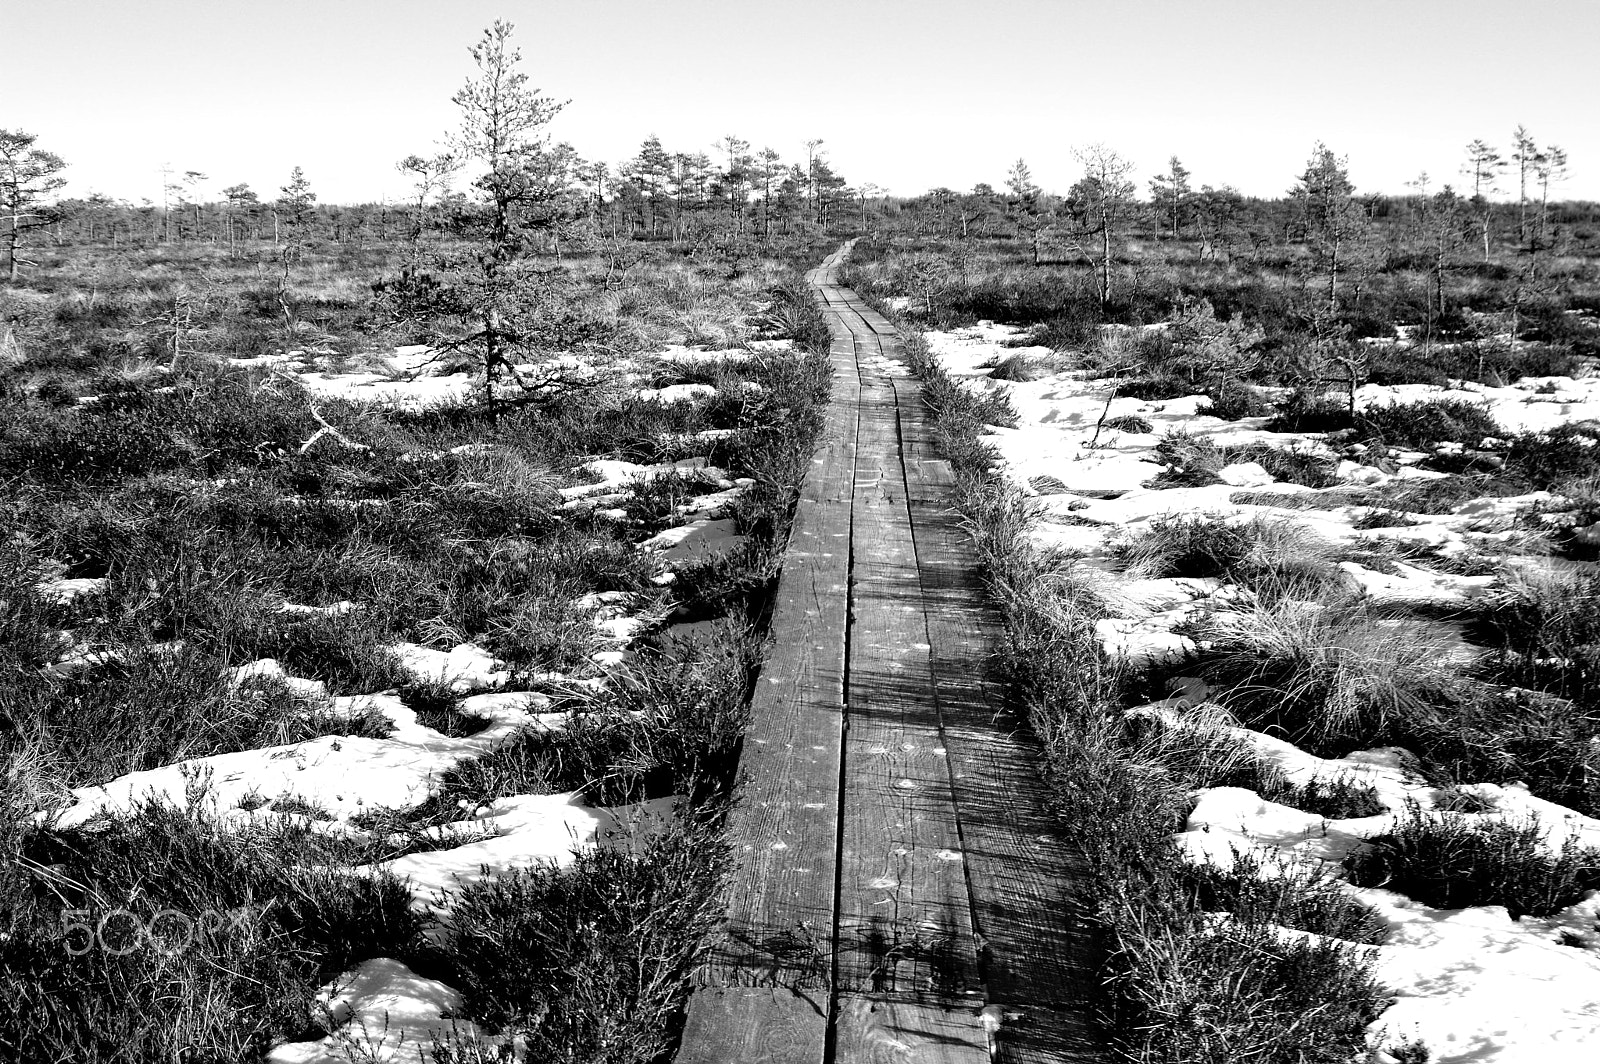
(1484, 165)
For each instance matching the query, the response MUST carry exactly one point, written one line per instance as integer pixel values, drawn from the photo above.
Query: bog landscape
(702, 607)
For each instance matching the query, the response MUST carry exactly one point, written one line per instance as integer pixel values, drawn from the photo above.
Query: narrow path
(902, 895)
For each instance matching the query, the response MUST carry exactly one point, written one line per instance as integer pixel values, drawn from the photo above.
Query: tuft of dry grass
(1276, 558)
(1327, 676)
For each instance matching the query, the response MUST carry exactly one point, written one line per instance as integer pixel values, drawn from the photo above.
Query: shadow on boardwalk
(902, 894)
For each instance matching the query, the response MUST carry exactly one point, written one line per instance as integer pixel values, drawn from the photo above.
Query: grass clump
(1333, 798)
(1321, 500)
(1024, 368)
(1439, 495)
(674, 728)
(588, 963)
(1128, 423)
(256, 933)
(188, 708)
(1338, 678)
(1290, 465)
(1378, 517)
(1453, 862)
(1547, 634)
(1190, 461)
(1271, 557)
(1327, 678)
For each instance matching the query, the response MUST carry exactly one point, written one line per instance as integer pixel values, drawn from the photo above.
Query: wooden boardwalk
(902, 895)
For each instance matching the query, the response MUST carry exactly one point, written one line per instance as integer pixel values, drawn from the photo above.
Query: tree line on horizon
(735, 194)
(678, 197)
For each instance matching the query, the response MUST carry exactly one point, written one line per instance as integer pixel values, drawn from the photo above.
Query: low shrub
(1566, 452)
(1453, 862)
(1260, 893)
(1310, 412)
(1156, 387)
(1420, 425)
(1234, 401)
(1187, 461)
(1074, 331)
(1210, 991)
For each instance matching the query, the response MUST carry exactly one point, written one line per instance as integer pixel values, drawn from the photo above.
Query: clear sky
(907, 94)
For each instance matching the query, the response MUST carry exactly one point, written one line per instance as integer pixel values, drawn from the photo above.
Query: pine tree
(1026, 208)
(1170, 193)
(1329, 214)
(28, 178)
(1551, 170)
(491, 302)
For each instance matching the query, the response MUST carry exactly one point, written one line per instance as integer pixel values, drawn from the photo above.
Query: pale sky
(906, 94)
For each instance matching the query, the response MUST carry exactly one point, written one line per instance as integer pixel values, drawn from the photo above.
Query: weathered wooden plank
(1031, 1035)
(1029, 895)
(904, 916)
(758, 1025)
(784, 829)
(1027, 885)
(766, 991)
(888, 1030)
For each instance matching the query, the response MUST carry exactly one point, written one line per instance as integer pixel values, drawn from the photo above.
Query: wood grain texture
(890, 1030)
(1032, 1035)
(754, 1025)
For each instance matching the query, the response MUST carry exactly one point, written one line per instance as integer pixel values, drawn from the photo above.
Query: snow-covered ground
(1472, 985)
